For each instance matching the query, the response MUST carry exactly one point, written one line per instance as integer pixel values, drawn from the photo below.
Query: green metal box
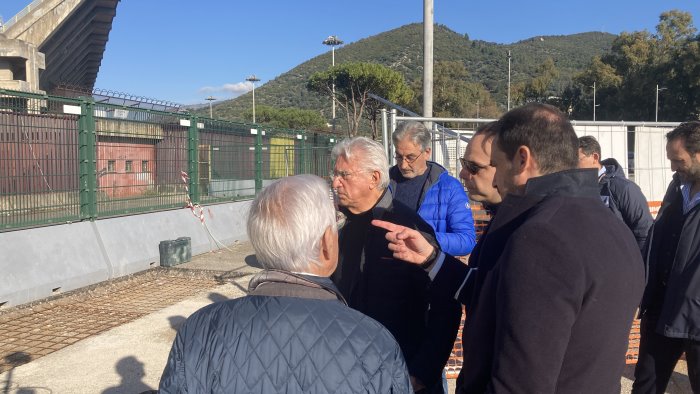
(174, 252)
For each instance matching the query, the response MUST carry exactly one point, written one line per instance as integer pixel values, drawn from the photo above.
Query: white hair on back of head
(287, 220)
(367, 154)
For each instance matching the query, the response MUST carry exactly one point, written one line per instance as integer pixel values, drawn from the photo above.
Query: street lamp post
(656, 116)
(508, 80)
(253, 79)
(210, 99)
(333, 41)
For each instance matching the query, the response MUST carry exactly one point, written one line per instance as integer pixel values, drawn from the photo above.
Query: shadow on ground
(132, 372)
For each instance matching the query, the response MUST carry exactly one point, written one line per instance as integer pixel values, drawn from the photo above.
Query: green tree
(454, 95)
(539, 88)
(291, 118)
(638, 62)
(353, 84)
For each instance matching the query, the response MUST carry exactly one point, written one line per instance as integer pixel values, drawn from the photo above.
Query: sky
(183, 51)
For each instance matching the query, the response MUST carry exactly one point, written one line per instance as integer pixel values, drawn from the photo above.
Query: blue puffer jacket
(444, 205)
(291, 334)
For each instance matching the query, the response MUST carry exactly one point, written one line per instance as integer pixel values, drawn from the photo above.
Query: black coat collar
(570, 183)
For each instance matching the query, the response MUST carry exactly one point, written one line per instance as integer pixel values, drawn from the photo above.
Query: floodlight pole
(332, 41)
(253, 79)
(210, 99)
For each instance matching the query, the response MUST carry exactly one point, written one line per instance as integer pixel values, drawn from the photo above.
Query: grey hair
(370, 156)
(416, 131)
(285, 235)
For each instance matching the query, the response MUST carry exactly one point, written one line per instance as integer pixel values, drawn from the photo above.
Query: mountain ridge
(401, 50)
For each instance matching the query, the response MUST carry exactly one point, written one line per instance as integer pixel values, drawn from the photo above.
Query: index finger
(389, 226)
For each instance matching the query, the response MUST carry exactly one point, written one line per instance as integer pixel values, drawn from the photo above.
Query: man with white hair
(293, 332)
(395, 293)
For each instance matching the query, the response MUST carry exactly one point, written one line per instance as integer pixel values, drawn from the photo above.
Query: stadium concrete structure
(48, 46)
(54, 42)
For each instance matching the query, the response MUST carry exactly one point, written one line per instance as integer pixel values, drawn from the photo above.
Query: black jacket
(558, 281)
(626, 200)
(291, 334)
(680, 311)
(395, 293)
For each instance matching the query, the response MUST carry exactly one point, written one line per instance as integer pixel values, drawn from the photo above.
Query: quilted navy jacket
(291, 334)
(444, 205)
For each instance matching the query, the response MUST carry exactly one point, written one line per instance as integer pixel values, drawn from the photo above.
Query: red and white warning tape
(188, 202)
(197, 210)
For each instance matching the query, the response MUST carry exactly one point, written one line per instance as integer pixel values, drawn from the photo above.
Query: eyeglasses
(471, 167)
(344, 175)
(410, 159)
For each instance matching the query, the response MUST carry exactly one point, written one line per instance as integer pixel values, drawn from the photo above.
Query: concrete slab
(127, 359)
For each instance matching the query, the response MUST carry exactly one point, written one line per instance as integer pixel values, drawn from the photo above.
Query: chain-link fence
(64, 160)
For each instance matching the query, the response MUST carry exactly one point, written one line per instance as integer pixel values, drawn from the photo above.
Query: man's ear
(596, 157)
(326, 245)
(375, 179)
(523, 158)
(328, 255)
(428, 151)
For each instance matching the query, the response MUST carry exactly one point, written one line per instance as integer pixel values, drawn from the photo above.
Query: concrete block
(37, 263)
(131, 242)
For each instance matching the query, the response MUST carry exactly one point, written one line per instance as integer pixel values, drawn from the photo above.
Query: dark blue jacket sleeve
(454, 280)
(634, 209)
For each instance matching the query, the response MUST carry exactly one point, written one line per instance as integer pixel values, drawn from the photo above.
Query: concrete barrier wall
(38, 263)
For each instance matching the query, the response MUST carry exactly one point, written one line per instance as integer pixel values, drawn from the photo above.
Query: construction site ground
(114, 337)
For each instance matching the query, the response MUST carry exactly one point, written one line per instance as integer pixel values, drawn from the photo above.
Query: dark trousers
(658, 356)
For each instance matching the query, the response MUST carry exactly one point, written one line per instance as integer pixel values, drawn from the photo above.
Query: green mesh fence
(64, 160)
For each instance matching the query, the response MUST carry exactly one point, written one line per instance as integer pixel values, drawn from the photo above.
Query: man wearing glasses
(395, 293)
(477, 172)
(427, 188)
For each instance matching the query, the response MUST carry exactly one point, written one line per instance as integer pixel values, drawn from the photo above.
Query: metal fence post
(193, 159)
(458, 145)
(88, 164)
(392, 125)
(302, 154)
(385, 132)
(258, 159)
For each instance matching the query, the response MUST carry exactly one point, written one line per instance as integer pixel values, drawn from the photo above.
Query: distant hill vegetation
(402, 49)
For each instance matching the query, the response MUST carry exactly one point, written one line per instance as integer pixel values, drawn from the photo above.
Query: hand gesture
(406, 243)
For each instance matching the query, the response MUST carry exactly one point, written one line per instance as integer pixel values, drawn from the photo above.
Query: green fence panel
(140, 155)
(39, 166)
(65, 159)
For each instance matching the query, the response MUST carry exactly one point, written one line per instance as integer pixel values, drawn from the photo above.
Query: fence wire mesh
(38, 162)
(64, 160)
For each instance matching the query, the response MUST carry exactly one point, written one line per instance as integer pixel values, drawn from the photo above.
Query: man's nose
(336, 182)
